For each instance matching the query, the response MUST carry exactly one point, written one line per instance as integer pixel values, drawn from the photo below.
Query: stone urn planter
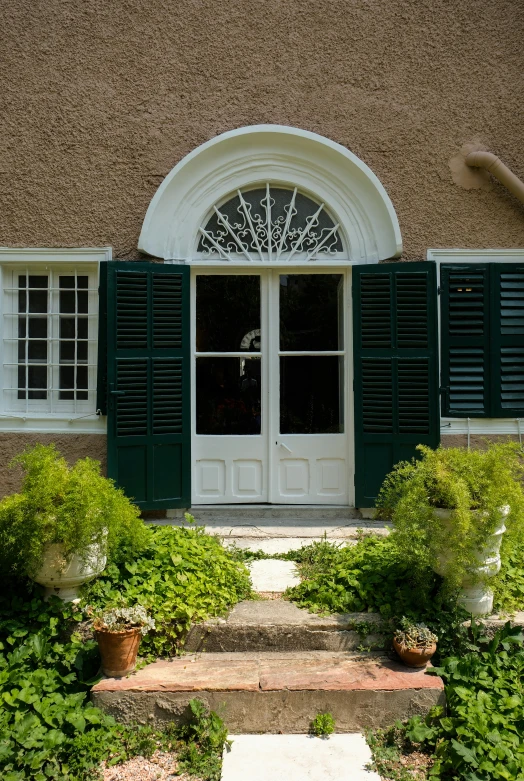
(63, 576)
(475, 595)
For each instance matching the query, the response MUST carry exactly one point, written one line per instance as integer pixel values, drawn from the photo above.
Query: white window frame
(471, 426)
(31, 417)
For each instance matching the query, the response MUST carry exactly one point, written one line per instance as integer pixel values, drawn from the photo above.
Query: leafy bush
(482, 736)
(182, 576)
(57, 504)
(474, 484)
(368, 576)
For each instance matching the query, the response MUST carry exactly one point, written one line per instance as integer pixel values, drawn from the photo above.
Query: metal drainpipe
(496, 168)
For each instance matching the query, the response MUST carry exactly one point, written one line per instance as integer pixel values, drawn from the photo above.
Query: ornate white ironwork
(270, 223)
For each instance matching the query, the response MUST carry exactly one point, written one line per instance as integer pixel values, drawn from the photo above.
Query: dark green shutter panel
(148, 382)
(465, 336)
(482, 340)
(396, 371)
(507, 344)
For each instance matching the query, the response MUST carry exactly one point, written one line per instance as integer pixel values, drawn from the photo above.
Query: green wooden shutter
(148, 382)
(396, 369)
(482, 340)
(465, 337)
(507, 342)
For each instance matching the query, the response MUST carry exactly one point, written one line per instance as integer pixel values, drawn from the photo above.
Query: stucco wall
(72, 446)
(102, 99)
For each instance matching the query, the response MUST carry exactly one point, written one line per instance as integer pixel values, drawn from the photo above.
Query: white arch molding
(284, 156)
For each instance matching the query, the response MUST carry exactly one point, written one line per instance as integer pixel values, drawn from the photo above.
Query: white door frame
(270, 367)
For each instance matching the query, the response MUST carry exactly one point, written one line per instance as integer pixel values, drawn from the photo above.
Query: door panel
(308, 444)
(230, 390)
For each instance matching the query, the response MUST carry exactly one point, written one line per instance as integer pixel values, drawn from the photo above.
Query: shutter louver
(167, 311)
(395, 359)
(377, 395)
(148, 382)
(131, 406)
(412, 316)
(167, 397)
(131, 310)
(413, 378)
(375, 304)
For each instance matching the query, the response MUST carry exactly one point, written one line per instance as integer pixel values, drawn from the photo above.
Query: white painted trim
(280, 155)
(39, 422)
(481, 426)
(476, 255)
(55, 255)
(53, 424)
(450, 426)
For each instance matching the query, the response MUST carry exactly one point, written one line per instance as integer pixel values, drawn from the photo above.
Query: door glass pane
(311, 312)
(228, 395)
(228, 313)
(311, 393)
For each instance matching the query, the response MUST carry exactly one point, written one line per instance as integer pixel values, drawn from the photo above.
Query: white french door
(270, 377)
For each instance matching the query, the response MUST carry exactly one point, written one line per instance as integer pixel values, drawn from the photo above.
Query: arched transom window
(270, 223)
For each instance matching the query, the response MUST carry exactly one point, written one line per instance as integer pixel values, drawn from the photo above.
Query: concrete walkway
(298, 758)
(272, 576)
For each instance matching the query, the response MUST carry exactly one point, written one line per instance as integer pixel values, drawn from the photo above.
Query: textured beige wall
(476, 440)
(72, 446)
(101, 99)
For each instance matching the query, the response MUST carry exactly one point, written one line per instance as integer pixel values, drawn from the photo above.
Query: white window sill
(481, 426)
(52, 424)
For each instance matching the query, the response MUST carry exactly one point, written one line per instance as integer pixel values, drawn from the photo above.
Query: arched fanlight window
(270, 223)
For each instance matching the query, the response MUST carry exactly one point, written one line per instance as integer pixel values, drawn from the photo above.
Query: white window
(49, 336)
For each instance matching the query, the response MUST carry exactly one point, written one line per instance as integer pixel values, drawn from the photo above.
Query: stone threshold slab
(297, 758)
(278, 671)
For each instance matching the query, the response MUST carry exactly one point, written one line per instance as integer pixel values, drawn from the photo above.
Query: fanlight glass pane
(268, 223)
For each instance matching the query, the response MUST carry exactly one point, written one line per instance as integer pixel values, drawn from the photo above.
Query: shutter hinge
(439, 290)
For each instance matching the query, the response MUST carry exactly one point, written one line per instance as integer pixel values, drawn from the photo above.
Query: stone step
(273, 692)
(278, 625)
(264, 528)
(234, 512)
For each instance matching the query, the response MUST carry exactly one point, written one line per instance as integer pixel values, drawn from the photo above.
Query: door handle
(286, 447)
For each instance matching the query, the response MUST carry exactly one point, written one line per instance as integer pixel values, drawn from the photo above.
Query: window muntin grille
(50, 340)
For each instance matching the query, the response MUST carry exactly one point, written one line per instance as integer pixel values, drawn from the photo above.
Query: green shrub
(182, 576)
(474, 485)
(75, 506)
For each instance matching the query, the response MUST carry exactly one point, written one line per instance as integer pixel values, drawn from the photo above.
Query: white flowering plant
(118, 619)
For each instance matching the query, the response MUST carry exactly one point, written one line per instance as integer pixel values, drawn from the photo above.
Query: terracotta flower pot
(414, 657)
(118, 650)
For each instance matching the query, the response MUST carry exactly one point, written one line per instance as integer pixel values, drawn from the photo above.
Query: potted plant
(414, 643)
(118, 631)
(450, 509)
(65, 523)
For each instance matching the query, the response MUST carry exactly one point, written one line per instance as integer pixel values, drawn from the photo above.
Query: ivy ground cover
(48, 661)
